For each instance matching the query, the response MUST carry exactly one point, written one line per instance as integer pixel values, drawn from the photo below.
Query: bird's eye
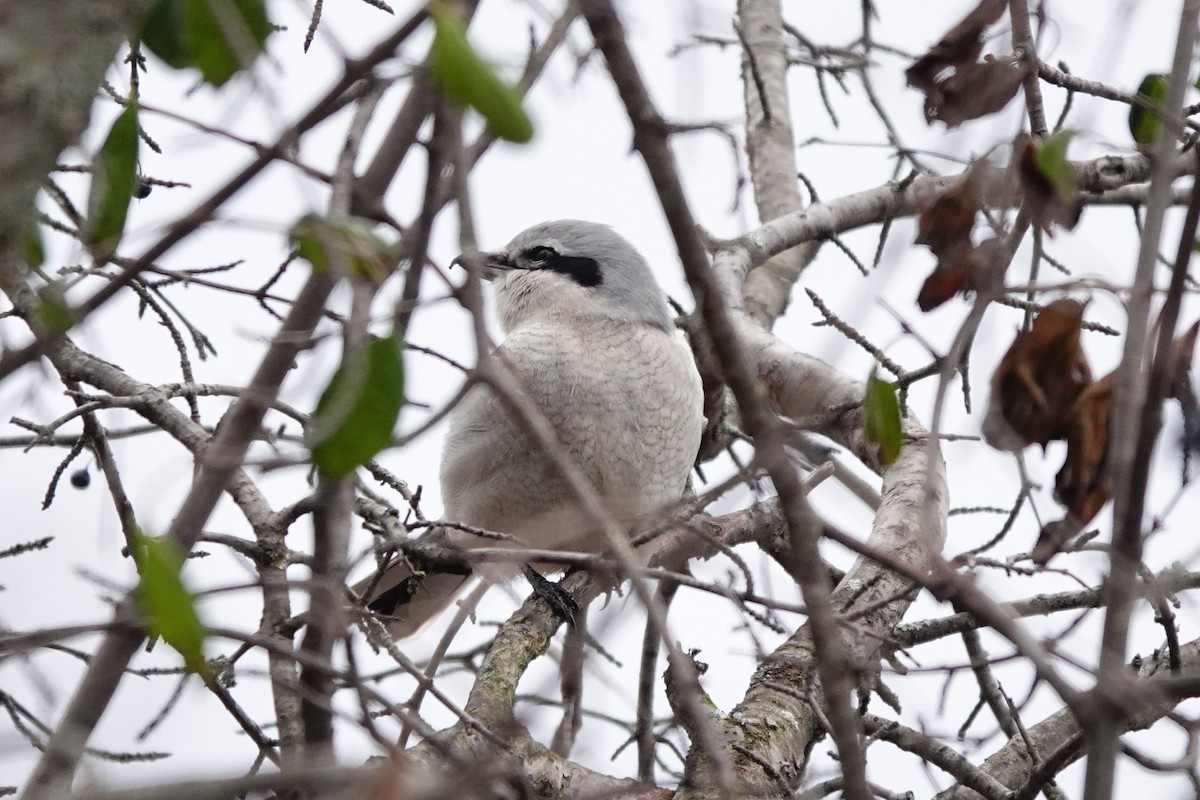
(540, 255)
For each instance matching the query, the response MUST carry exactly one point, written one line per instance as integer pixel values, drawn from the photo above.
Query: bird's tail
(405, 600)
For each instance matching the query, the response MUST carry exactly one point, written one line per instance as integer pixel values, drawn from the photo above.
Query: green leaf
(352, 240)
(217, 37)
(1144, 124)
(114, 180)
(1051, 160)
(881, 410)
(464, 76)
(168, 606)
(358, 410)
(33, 247)
(163, 33)
(224, 36)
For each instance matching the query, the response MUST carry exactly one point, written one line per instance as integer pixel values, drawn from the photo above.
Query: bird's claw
(559, 599)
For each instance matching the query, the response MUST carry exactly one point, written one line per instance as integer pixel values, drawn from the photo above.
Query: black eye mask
(584, 271)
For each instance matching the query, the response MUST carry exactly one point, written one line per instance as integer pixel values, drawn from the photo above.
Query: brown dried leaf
(961, 270)
(957, 86)
(1051, 201)
(946, 221)
(1083, 485)
(974, 91)
(945, 228)
(960, 46)
(1038, 380)
(948, 278)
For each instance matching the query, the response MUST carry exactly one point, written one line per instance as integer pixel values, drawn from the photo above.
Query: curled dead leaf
(961, 45)
(962, 271)
(1038, 380)
(944, 226)
(1048, 181)
(946, 221)
(1083, 484)
(974, 91)
(957, 86)
(948, 278)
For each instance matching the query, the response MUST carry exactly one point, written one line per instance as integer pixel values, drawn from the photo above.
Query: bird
(590, 335)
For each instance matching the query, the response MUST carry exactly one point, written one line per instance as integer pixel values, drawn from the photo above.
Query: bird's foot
(558, 598)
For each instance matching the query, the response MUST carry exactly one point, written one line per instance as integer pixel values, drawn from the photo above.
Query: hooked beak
(494, 264)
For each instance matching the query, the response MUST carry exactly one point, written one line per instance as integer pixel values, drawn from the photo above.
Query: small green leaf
(217, 37)
(114, 180)
(358, 410)
(350, 239)
(163, 33)
(169, 608)
(224, 36)
(1051, 160)
(33, 247)
(1144, 124)
(464, 76)
(882, 417)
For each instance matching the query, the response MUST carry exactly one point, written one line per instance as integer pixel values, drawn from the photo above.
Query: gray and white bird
(590, 335)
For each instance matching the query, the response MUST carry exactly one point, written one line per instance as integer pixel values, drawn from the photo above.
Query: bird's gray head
(574, 268)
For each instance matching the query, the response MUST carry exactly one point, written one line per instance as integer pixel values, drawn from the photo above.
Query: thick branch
(1012, 765)
(771, 148)
(875, 206)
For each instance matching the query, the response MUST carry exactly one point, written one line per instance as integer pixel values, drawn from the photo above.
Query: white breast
(626, 403)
